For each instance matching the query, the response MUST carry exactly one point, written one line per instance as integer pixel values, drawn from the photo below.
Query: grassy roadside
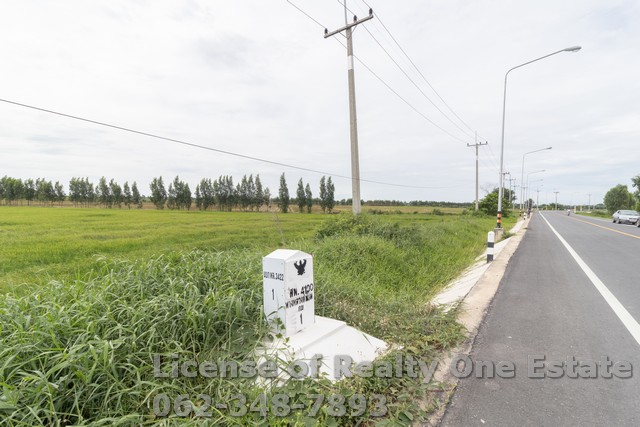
(80, 351)
(42, 244)
(596, 214)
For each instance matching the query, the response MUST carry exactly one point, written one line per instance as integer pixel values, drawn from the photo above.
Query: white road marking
(629, 322)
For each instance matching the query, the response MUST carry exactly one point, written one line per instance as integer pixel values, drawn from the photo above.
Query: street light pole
(522, 172)
(504, 106)
(527, 192)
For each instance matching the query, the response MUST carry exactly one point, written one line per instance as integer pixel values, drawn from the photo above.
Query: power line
(386, 84)
(409, 78)
(306, 14)
(203, 147)
(412, 81)
(418, 70)
(407, 102)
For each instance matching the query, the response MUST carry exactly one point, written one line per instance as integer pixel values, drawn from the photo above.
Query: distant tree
(198, 197)
(636, 184)
(251, 192)
(617, 198)
(489, 204)
(13, 189)
(207, 194)
(283, 195)
(300, 196)
(308, 196)
(323, 194)
(259, 195)
(88, 191)
(242, 190)
(126, 195)
(59, 190)
(185, 196)
(136, 199)
(158, 193)
(45, 192)
(29, 190)
(267, 197)
(225, 193)
(103, 195)
(116, 193)
(171, 197)
(331, 189)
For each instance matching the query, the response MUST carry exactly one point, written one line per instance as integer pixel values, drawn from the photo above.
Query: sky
(257, 78)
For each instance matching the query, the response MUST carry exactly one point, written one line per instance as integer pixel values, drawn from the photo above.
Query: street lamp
(531, 173)
(531, 185)
(504, 106)
(522, 173)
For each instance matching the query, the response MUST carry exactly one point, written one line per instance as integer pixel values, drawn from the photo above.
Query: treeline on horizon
(248, 195)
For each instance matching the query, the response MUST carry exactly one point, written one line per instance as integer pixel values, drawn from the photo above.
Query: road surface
(560, 304)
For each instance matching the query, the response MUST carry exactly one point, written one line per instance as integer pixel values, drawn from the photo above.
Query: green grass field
(39, 244)
(94, 293)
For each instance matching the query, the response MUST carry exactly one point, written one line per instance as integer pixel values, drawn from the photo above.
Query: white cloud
(258, 78)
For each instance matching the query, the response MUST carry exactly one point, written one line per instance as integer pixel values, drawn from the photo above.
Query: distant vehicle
(626, 217)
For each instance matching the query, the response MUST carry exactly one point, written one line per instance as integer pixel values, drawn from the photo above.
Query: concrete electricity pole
(477, 144)
(556, 199)
(589, 207)
(511, 187)
(355, 162)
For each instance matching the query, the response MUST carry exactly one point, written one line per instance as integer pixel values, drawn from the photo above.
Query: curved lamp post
(522, 174)
(504, 104)
(527, 195)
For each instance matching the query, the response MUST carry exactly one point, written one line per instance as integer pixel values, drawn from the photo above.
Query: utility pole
(511, 190)
(477, 144)
(589, 207)
(556, 199)
(355, 162)
(504, 178)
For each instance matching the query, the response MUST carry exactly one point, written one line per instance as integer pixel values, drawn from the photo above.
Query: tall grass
(80, 352)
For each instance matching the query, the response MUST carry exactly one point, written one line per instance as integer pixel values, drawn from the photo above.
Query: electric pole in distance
(556, 199)
(511, 187)
(355, 162)
(477, 144)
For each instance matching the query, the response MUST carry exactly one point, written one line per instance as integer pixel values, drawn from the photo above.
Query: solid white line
(629, 322)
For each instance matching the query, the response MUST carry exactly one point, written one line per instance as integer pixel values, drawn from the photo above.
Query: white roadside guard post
(301, 337)
(491, 238)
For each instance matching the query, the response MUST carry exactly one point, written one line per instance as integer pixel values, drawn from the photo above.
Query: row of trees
(304, 197)
(248, 195)
(619, 197)
(40, 190)
(110, 194)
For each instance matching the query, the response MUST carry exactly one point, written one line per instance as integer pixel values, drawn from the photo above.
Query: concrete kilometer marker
(300, 335)
(288, 295)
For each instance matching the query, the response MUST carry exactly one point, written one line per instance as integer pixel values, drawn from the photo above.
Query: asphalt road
(549, 306)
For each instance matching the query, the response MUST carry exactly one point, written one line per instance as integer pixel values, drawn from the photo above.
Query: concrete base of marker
(328, 338)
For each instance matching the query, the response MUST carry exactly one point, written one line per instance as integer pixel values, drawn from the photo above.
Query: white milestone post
(288, 296)
(301, 336)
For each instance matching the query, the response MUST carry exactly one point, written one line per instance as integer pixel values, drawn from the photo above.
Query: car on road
(626, 216)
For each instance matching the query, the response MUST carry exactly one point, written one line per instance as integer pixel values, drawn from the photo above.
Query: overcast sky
(258, 78)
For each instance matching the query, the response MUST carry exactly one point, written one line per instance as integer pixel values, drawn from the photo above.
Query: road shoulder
(482, 280)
